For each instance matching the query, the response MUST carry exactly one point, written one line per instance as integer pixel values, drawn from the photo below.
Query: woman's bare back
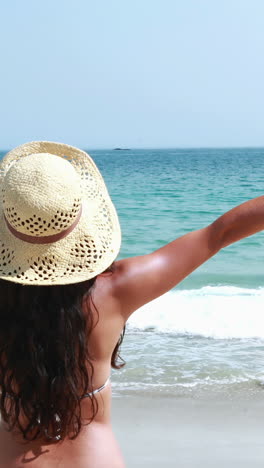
(96, 444)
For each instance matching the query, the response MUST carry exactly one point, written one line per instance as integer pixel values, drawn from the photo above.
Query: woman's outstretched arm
(139, 280)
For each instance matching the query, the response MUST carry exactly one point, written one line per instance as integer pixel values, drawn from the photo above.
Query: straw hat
(58, 223)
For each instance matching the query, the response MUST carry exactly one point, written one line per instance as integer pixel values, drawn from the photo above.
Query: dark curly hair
(44, 358)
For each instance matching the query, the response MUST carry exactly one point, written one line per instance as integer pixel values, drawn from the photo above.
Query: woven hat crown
(37, 199)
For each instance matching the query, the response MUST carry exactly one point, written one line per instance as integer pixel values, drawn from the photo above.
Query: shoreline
(190, 432)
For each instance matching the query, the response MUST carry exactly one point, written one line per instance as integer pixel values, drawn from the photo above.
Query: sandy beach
(187, 432)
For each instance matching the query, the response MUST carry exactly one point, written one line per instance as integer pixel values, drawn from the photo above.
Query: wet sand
(186, 432)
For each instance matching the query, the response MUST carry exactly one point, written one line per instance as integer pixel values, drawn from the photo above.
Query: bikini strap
(97, 390)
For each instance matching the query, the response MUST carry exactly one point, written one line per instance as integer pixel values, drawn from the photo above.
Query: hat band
(43, 239)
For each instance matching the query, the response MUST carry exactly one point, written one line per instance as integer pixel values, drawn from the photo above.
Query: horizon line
(129, 148)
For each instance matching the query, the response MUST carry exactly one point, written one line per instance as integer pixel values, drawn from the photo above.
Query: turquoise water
(162, 194)
(208, 333)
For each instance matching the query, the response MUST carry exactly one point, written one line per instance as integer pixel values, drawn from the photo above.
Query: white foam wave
(206, 384)
(217, 312)
(208, 381)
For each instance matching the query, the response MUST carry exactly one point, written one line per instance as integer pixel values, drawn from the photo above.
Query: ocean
(207, 334)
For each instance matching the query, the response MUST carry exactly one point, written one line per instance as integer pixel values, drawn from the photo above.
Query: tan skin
(134, 282)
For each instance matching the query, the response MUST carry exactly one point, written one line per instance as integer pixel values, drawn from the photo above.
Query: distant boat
(121, 149)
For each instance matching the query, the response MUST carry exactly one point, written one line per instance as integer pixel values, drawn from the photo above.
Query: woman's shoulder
(105, 292)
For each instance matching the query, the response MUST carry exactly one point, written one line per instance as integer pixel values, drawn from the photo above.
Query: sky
(132, 73)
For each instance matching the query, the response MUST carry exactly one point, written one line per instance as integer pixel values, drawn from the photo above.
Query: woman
(65, 302)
